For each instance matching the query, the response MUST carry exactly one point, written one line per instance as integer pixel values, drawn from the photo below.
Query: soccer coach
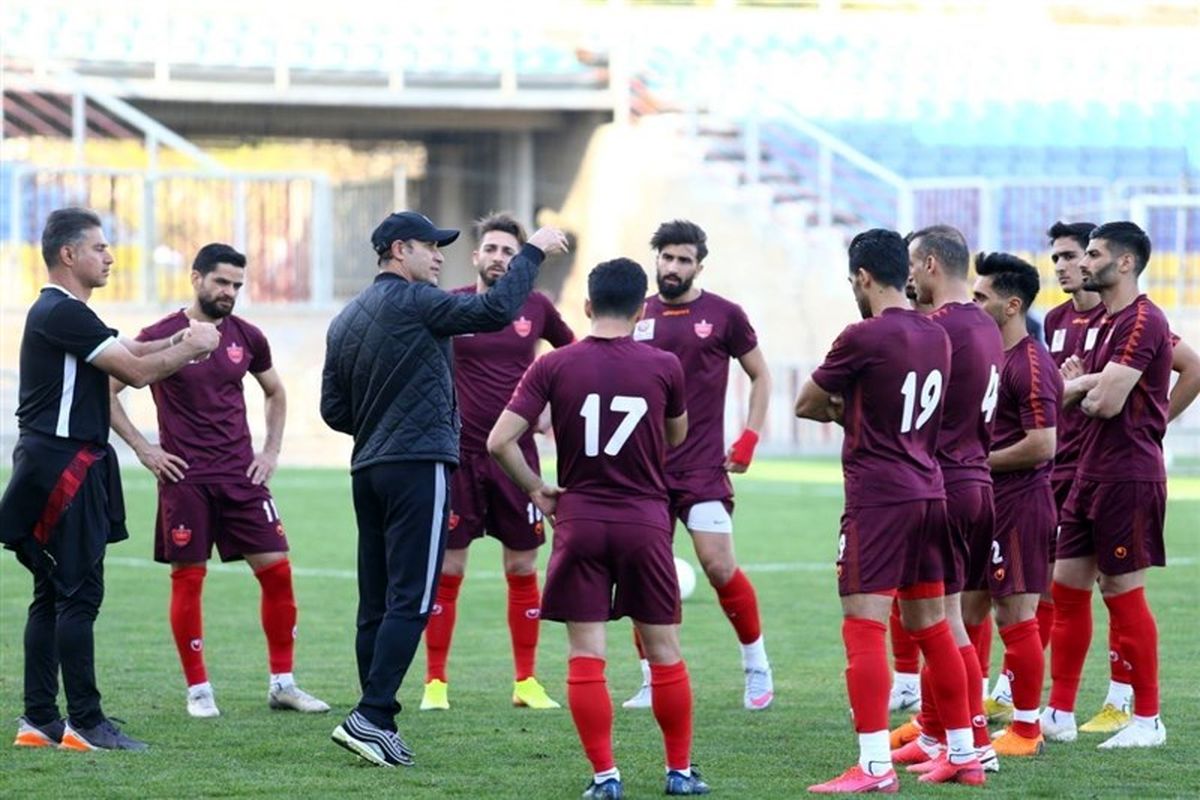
(388, 382)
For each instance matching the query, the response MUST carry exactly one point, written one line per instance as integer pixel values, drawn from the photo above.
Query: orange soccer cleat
(904, 734)
(1011, 743)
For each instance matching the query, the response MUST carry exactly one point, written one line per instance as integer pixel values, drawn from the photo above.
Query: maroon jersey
(1030, 394)
(1128, 447)
(202, 407)
(890, 371)
(1069, 333)
(609, 402)
(488, 366)
(977, 355)
(704, 334)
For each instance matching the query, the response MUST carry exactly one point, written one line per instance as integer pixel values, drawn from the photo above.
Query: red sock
(981, 638)
(1139, 644)
(979, 727)
(1026, 663)
(928, 719)
(524, 616)
(278, 612)
(1045, 620)
(187, 622)
(866, 673)
(740, 604)
(947, 674)
(637, 642)
(671, 701)
(1071, 637)
(440, 628)
(591, 709)
(906, 656)
(1119, 668)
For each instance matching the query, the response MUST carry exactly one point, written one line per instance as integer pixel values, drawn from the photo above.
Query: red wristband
(743, 449)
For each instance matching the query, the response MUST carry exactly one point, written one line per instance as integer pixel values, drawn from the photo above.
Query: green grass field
(787, 534)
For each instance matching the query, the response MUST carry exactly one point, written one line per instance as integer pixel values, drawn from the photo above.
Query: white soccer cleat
(1058, 726)
(1139, 733)
(988, 758)
(201, 703)
(640, 699)
(904, 697)
(760, 689)
(292, 697)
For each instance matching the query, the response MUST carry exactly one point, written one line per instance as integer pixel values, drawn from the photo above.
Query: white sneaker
(988, 758)
(904, 696)
(1139, 733)
(1058, 726)
(201, 703)
(291, 696)
(760, 689)
(640, 699)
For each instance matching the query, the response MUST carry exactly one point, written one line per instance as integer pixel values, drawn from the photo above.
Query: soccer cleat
(610, 789)
(1011, 743)
(372, 744)
(640, 699)
(760, 689)
(904, 697)
(32, 735)
(291, 697)
(680, 784)
(942, 770)
(435, 698)
(103, 736)
(1058, 726)
(998, 709)
(904, 734)
(526, 694)
(1137, 734)
(201, 703)
(1110, 720)
(918, 750)
(855, 781)
(988, 758)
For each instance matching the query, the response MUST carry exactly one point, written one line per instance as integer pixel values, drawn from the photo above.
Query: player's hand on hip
(262, 467)
(545, 497)
(549, 240)
(165, 466)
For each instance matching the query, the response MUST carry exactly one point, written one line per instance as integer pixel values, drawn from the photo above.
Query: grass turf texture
(787, 533)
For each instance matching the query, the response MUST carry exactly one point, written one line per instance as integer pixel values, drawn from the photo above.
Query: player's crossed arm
(817, 404)
(1101, 394)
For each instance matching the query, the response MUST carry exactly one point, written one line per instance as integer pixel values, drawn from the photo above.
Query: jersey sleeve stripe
(1134, 337)
(1035, 386)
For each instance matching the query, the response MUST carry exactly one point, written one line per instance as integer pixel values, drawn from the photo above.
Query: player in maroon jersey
(883, 380)
(616, 406)
(940, 263)
(1111, 526)
(705, 331)
(487, 367)
(1022, 454)
(212, 486)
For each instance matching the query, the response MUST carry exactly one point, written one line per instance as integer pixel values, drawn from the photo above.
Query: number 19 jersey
(609, 401)
(891, 372)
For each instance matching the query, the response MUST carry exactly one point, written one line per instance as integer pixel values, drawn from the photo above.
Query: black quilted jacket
(388, 378)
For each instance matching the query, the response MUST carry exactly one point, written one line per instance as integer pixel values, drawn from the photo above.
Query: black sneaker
(680, 784)
(33, 735)
(104, 736)
(371, 743)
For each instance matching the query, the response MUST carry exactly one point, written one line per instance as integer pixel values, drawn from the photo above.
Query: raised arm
(138, 371)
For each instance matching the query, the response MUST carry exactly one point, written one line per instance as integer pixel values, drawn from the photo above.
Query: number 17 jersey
(891, 371)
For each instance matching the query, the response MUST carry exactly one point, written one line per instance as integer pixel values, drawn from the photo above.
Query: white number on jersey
(931, 393)
(270, 510)
(991, 395)
(634, 408)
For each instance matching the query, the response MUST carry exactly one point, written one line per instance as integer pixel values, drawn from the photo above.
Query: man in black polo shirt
(64, 504)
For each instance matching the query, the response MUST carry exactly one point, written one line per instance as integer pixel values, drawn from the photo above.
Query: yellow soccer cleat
(435, 697)
(997, 710)
(1110, 720)
(530, 694)
(1011, 743)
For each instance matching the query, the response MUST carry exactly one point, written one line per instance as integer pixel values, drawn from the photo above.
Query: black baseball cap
(406, 225)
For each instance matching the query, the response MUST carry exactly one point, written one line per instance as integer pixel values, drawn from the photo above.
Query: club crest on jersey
(181, 535)
(523, 327)
(235, 353)
(703, 329)
(644, 330)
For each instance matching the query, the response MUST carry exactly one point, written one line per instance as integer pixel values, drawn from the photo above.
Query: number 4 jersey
(891, 371)
(609, 401)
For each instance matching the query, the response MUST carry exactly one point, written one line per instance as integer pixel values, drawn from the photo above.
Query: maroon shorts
(1120, 523)
(603, 570)
(883, 548)
(1020, 559)
(970, 516)
(238, 517)
(1062, 488)
(686, 489)
(483, 499)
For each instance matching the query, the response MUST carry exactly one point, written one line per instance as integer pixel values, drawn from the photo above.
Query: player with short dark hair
(706, 331)
(882, 380)
(1021, 458)
(616, 406)
(212, 486)
(487, 367)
